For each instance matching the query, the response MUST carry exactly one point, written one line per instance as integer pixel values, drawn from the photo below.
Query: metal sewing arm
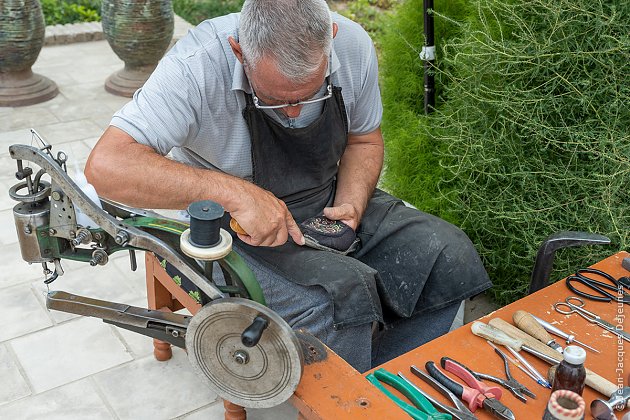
(64, 192)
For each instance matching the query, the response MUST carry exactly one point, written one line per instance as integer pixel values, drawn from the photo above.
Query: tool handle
(435, 384)
(593, 380)
(525, 338)
(449, 384)
(413, 412)
(453, 366)
(236, 227)
(495, 335)
(467, 394)
(252, 334)
(405, 388)
(526, 322)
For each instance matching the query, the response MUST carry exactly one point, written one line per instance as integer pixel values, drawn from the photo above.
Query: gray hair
(291, 32)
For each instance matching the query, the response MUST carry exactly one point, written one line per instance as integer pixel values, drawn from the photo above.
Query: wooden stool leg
(233, 411)
(162, 350)
(159, 297)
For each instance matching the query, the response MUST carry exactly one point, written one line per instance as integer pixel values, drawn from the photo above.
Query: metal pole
(428, 55)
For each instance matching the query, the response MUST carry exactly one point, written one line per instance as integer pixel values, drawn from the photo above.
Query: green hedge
(534, 137)
(412, 167)
(194, 11)
(71, 11)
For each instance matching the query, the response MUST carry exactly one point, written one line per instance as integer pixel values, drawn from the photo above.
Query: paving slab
(148, 389)
(68, 352)
(21, 313)
(13, 386)
(217, 412)
(7, 227)
(78, 400)
(13, 119)
(14, 270)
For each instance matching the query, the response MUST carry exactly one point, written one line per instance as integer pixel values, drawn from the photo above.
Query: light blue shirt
(191, 106)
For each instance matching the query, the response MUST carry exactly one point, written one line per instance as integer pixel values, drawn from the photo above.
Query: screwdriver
(555, 330)
(513, 345)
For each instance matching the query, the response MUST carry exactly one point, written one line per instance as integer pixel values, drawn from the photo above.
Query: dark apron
(389, 275)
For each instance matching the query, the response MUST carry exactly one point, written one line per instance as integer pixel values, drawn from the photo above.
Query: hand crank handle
(252, 334)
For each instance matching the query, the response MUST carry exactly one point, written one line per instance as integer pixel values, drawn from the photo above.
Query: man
(274, 113)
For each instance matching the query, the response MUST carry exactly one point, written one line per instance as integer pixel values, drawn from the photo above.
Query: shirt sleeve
(368, 110)
(165, 112)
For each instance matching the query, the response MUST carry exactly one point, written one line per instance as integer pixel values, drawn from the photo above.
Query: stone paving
(61, 366)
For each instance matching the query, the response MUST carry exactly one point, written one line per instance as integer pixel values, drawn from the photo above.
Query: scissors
(617, 295)
(589, 316)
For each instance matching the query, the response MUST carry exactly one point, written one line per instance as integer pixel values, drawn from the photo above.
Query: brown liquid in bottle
(571, 373)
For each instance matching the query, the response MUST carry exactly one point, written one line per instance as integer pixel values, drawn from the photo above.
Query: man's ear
(236, 49)
(335, 29)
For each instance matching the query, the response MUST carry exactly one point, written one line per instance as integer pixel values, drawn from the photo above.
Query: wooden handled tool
(236, 227)
(593, 380)
(526, 322)
(495, 335)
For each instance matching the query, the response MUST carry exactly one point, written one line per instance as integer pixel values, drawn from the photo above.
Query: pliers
(423, 409)
(460, 411)
(476, 394)
(512, 385)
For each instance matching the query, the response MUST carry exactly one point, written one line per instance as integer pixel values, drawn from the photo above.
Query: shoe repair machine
(243, 350)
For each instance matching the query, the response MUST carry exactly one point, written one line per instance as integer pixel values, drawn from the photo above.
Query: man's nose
(292, 111)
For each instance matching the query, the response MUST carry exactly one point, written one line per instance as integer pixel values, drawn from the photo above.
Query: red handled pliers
(476, 394)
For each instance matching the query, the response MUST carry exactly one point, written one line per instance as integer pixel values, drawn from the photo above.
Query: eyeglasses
(258, 105)
(329, 91)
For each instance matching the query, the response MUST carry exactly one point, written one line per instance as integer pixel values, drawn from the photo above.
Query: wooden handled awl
(526, 322)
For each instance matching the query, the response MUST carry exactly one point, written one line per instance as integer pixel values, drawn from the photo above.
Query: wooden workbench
(336, 399)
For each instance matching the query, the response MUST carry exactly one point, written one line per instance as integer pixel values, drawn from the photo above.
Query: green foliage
(177, 280)
(71, 11)
(370, 14)
(413, 171)
(195, 295)
(196, 11)
(536, 131)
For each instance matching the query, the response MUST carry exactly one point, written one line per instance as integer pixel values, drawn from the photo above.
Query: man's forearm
(134, 174)
(359, 169)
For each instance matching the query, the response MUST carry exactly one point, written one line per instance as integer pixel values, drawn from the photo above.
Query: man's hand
(264, 217)
(345, 213)
(359, 169)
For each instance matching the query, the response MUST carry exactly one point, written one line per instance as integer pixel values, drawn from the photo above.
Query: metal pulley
(219, 342)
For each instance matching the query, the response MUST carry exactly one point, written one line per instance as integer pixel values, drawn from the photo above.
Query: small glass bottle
(571, 374)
